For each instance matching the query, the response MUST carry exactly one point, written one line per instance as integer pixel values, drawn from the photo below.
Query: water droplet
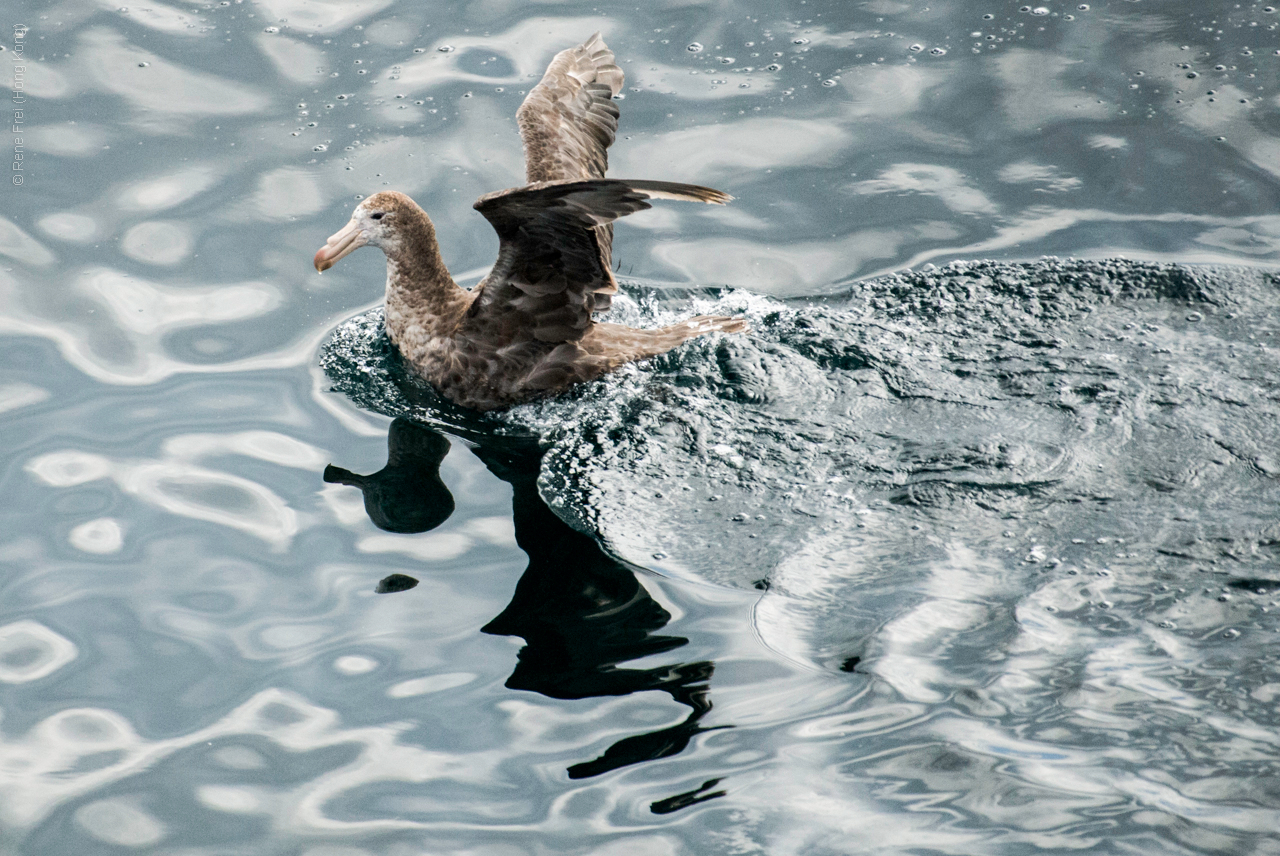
(659, 556)
(143, 64)
(1221, 139)
(445, 49)
(939, 51)
(271, 30)
(744, 85)
(1024, 8)
(1168, 625)
(988, 17)
(1040, 10)
(801, 41)
(693, 47)
(1195, 316)
(726, 60)
(342, 98)
(915, 48)
(1191, 75)
(1083, 7)
(773, 67)
(1230, 633)
(320, 148)
(419, 50)
(828, 83)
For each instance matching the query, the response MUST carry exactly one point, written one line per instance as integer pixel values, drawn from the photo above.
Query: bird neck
(420, 290)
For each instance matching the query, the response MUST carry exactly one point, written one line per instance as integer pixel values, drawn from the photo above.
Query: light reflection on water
(192, 654)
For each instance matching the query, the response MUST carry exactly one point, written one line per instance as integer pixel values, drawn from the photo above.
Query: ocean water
(970, 547)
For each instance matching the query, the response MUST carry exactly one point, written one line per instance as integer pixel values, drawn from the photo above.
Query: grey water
(970, 547)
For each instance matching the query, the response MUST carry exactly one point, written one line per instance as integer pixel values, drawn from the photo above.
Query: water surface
(980, 558)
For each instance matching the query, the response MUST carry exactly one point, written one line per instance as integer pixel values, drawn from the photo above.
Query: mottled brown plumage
(526, 330)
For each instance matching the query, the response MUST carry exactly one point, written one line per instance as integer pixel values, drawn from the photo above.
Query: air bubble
(988, 17)
(1083, 7)
(726, 60)
(915, 48)
(828, 82)
(693, 47)
(419, 50)
(1230, 633)
(271, 30)
(320, 148)
(773, 67)
(800, 41)
(1040, 10)
(939, 51)
(445, 49)
(143, 64)
(1191, 75)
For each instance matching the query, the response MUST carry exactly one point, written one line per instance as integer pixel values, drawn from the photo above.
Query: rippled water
(977, 559)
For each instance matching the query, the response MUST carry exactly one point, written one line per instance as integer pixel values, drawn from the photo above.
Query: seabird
(526, 331)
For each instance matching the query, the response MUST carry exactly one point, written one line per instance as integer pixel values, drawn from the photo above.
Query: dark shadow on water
(407, 495)
(580, 611)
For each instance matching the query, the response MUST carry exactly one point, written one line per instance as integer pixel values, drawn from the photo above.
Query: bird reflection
(580, 612)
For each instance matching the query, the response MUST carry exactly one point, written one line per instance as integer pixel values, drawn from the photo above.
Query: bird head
(375, 221)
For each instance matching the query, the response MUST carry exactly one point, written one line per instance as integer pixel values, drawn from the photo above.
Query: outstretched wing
(549, 269)
(569, 119)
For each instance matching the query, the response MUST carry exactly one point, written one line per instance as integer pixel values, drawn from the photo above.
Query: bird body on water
(526, 331)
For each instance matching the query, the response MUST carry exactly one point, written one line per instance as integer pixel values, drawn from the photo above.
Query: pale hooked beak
(350, 238)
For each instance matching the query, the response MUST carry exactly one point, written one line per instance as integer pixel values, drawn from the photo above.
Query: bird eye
(377, 216)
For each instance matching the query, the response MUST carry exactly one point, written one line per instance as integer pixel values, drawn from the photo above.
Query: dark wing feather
(549, 268)
(569, 120)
